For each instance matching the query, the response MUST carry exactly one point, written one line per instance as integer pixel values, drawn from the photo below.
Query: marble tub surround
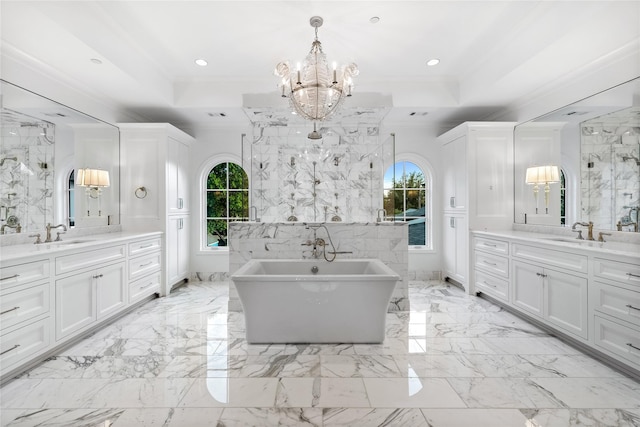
(453, 360)
(386, 241)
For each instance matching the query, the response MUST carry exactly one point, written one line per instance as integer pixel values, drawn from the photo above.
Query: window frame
(427, 171)
(205, 169)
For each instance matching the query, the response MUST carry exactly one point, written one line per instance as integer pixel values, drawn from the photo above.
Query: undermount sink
(72, 242)
(566, 240)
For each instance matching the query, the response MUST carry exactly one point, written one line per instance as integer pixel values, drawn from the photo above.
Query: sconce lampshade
(93, 178)
(542, 175)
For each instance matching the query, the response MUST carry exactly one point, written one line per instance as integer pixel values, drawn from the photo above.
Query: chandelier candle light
(546, 175)
(315, 91)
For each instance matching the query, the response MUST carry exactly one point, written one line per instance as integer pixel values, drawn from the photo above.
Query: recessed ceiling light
(96, 61)
(374, 19)
(201, 62)
(432, 62)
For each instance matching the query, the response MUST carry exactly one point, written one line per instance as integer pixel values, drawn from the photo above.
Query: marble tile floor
(453, 360)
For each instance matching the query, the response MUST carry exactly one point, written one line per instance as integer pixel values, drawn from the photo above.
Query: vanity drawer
(493, 286)
(24, 304)
(497, 247)
(145, 246)
(564, 260)
(18, 346)
(144, 287)
(622, 272)
(89, 258)
(493, 264)
(618, 339)
(141, 266)
(22, 274)
(618, 302)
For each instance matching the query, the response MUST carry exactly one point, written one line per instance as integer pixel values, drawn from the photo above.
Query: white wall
(210, 143)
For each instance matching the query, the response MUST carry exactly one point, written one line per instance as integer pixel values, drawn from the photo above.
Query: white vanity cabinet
(552, 285)
(155, 156)
(51, 294)
(615, 299)
(491, 267)
(586, 293)
(145, 266)
(25, 310)
(477, 189)
(86, 295)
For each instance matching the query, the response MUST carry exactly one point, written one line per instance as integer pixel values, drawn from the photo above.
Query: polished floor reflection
(454, 360)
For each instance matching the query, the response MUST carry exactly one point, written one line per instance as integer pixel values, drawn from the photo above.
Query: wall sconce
(94, 180)
(546, 175)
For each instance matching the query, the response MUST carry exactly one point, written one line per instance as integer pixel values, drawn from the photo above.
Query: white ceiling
(494, 54)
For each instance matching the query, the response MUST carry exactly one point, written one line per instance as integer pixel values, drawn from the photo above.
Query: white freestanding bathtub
(314, 301)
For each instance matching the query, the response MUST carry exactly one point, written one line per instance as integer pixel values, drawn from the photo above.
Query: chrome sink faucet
(49, 227)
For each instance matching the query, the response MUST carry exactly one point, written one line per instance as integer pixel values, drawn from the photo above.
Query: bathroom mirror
(595, 145)
(44, 146)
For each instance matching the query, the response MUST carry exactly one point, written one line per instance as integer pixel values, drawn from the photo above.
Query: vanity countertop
(10, 253)
(567, 242)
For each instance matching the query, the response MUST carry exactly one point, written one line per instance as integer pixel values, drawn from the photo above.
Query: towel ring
(141, 192)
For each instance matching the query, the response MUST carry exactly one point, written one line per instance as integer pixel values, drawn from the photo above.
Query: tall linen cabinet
(477, 190)
(155, 193)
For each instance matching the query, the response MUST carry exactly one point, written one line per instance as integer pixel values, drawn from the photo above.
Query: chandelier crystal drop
(315, 90)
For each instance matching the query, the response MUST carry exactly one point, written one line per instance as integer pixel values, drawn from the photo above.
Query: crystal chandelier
(315, 91)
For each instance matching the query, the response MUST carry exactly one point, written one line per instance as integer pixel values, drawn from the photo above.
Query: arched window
(407, 198)
(227, 199)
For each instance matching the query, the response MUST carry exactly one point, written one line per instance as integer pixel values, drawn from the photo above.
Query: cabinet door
(177, 168)
(455, 247)
(177, 249)
(491, 192)
(565, 298)
(172, 167)
(455, 174)
(183, 178)
(527, 287)
(75, 303)
(112, 289)
(460, 162)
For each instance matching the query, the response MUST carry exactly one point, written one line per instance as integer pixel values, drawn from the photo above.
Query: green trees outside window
(227, 200)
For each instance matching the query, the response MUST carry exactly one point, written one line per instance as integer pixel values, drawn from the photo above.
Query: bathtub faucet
(384, 214)
(318, 243)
